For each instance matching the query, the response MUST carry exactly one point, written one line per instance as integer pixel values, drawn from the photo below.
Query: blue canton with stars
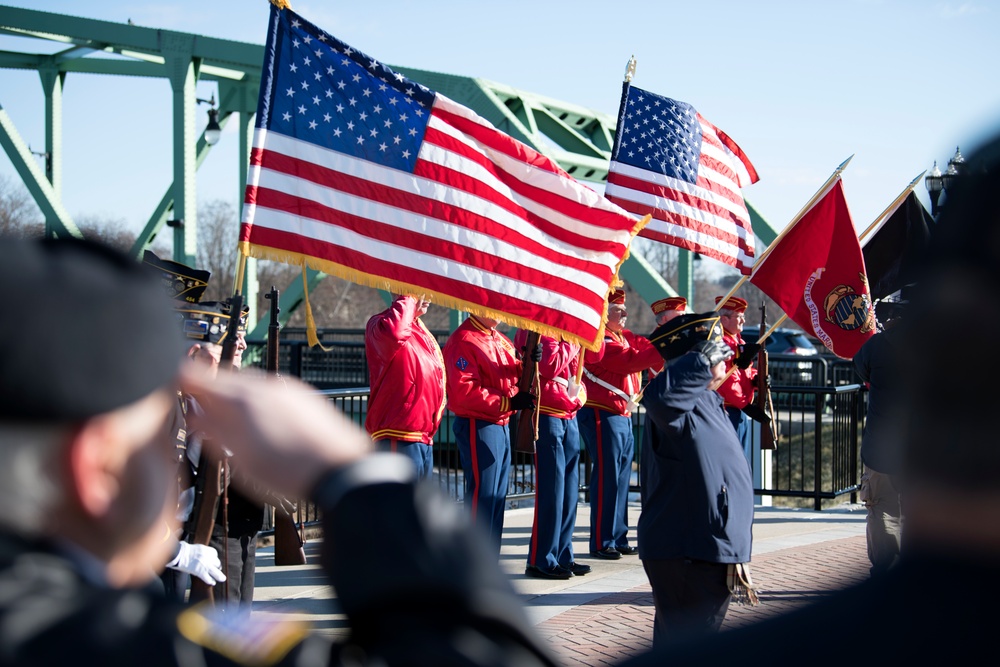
(659, 134)
(324, 92)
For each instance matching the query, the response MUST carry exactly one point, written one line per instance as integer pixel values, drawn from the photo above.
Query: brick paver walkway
(607, 630)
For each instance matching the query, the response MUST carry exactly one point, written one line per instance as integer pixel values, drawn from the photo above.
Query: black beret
(680, 334)
(86, 330)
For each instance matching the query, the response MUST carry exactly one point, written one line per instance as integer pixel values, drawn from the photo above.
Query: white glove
(199, 560)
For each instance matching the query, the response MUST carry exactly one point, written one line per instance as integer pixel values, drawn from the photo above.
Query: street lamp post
(938, 183)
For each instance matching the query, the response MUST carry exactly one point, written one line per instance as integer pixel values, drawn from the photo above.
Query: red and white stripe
(483, 219)
(708, 217)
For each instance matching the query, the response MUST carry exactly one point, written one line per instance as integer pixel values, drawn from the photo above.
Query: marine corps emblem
(848, 309)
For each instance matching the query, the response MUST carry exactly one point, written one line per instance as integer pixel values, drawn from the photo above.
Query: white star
(319, 54)
(341, 85)
(307, 61)
(399, 77)
(382, 147)
(305, 85)
(307, 39)
(329, 93)
(403, 117)
(382, 87)
(367, 92)
(350, 125)
(373, 64)
(312, 125)
(296, 23)
(302, 109)
(322, 37)
(406, 155)
(377, 108)
(329, 70)
(345, 62)
(348, 51)
(352, 102)
(340, 108)
(362, 116)
(413, 131)
(396, 140)
(293, 67)
(317, 76)
(337, 132)
(327, 117)
(295, 43)
(420, 114)
(374, 132)
(388, 123)
(361, 140)
(393, 101)
(286, 116)
(316, 99)
(356, 78)
(291, 92)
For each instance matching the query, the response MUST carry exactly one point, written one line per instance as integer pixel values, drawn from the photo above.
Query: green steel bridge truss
(577, 138)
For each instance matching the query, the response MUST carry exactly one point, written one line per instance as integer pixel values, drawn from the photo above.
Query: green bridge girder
(577, 138)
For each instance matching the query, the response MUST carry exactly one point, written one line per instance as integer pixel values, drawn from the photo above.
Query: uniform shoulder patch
(260, 639)
(462, 363)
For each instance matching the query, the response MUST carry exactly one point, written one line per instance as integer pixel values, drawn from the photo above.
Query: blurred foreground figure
(88, 490)
(936, 603)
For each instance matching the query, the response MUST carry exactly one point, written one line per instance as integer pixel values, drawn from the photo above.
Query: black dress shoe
(608, 553)
(545, 573)
(627, 550)
(578, 569)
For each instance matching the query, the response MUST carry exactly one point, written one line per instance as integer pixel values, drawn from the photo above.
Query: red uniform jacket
(407, 375)
(624, 357)
(737, 390)
(559, 363)
(482, 371)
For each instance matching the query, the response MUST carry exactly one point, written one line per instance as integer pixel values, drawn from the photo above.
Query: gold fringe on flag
(281, 4)
(396, 287)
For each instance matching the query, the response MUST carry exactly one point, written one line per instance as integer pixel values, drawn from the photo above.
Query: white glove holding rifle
(198, 560)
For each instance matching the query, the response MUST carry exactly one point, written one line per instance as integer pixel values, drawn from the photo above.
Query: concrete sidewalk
(600, 618)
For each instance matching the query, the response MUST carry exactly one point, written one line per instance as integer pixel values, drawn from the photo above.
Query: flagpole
(795, 220)
(241, 263)
(892, 207)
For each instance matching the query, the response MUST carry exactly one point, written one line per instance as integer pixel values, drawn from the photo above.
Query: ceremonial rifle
(762, 397)
(527, 427)
(288, 542)
(210, 486)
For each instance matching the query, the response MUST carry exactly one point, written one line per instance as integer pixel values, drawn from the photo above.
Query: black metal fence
(820, 409)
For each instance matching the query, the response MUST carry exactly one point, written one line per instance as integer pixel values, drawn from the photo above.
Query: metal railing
(820, 410)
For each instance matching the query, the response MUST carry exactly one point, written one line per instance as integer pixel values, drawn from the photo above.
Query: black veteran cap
(208, 322)
(681, 333)
(178, 280)
(86, 330)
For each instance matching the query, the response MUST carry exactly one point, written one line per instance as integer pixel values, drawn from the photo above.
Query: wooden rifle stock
(208, 489)
(525, 436)
(288, 541)
(762, 399)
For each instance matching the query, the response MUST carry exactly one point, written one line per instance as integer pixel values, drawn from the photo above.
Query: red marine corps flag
(359, 172)
(815, 271)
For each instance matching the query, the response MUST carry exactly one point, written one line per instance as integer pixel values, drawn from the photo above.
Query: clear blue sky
(800, 85)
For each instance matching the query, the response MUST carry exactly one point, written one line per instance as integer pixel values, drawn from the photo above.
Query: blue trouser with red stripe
(610, 444)
(422, 455)
(485, 451)
(557, 488)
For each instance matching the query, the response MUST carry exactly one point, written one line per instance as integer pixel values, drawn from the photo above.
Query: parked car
(785, 371)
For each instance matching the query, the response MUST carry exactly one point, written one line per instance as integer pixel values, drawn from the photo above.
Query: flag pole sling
(795, 220)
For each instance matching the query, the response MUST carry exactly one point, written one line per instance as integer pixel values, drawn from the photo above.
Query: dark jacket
(424, 590)
(697, 493)
(877, 365)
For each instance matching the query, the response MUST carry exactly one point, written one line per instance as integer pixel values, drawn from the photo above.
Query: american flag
(668, 161)
(361, 173)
